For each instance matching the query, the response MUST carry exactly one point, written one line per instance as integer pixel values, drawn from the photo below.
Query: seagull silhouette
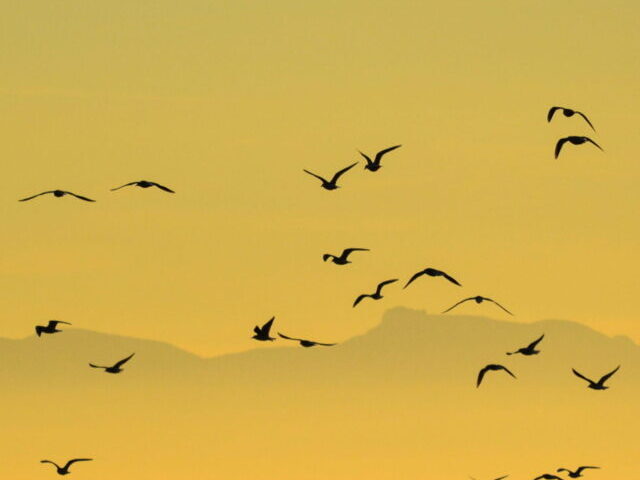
(575, 141)
(50, 328)
(65, 470)
(57, 193)
(547, 476)
(144, 184)
(490, 367)
(342, 259)
(306, 343)
(577, 473)
(529, 349)
(599, 385)
(115, 368)
(432, 272)
(568, 112)
(377, 295)
(332, 184)
(374, 165)
(478, 299)
(262, 334)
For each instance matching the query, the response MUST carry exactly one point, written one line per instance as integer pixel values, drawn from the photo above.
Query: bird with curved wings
(262, 333)
(568, 112)
(65, 470)
(489, 368)
(333, 183)
(342, 259)
(599, 385)
(57, 194)
(529, 349)
(377, 295)
(432, 272)
(144, 184)
(50, 327)
(574, 140)
(478, 299)
(374, 165)
(577, 473)
(116, 367)
(306, 343)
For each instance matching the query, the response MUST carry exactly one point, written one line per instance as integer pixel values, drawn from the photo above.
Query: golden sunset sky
(226, 102)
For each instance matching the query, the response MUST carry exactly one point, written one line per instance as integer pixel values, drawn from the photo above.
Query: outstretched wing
(347, 251)
(382, 152)
(382, 284)
(123, 361)
(80, 197)
(586, 120)
(289, 338)
(578, 374)
(317, 176)
(493, 301)
(34, 196)
(360, 298)
(416, 275)
(461, 301)
(53, 323)
(502, 367)
(162, 187)
(341, 172)
(559, 145)
(589, 140)
(366, 157)
(267, 326)
(501, 478)
(122, 186)
(71, 462)
(533, 344)
(49, 461)
(325, 344)
(580, 469)
(608, 375)
(451, 279)
(96, 366)
(481, 376)
(552, 110)
(39, 329)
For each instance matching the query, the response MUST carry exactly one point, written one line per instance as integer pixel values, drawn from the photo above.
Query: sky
(227, 103)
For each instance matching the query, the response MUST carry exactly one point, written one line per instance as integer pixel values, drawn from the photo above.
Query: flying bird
(57, 193)
(342, 259)
(262, 333)
(599, 385)
(575, 141)
(332, 184)
(491, 367)
(144, 184)
(568, 112)
(577, 473)
(306, 343)
(478, 299)
(65, 470)
(374, 165)
(116, 367)
(547, 476)
(432, 272)
(50, 328)
(377, 295)
(529, 349)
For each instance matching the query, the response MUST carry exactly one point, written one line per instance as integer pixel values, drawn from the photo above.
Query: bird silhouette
(331, 184)
(115, 368)
(599, 385)
(568, 112)
(529, 349)
(306, 343)
(547, 476)
(342, 259)
(492, 367)
(58, 194)
(374, 165)
(377, 295)
(478, 299)
(577, 473)
(65, 470)
(575, 141)
(262, 333)
(432, 272)
(50, 328)
(144, 184)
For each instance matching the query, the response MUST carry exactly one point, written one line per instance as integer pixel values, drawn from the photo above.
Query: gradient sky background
(227, 102)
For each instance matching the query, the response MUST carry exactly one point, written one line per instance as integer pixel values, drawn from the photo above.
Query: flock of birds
(263, 333)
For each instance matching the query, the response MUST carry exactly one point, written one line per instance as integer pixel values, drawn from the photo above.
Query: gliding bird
(575, 141)
(331, 184)
(492, 367)
(477, 299)
(568, 112)
(529, 349)
(342, 259)
(57, 194)
(50, 328)
(306, 343)
(144, 184)
(374, 165)
(377, 294)
(599, 385)
(577, 473)
(262, 334)
(432, 272)
(65, 470)
(115, 368)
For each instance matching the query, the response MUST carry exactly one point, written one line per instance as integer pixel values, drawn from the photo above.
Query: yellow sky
(227, 102)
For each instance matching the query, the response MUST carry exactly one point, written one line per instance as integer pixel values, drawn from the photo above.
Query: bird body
(306, 343)
(374, 165)
(57, 194)
(547, 476)
(144, 184)
(65, 470)
(432, 272)
(478, 299)
(574, 140)
(600, 384)
(492, 367)
(333, 183)
(115, 368)
(50, 327)
(577, 473)
(529, 349)
(377, 295)
(568, 112)
(343, 258)
(262, 334)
